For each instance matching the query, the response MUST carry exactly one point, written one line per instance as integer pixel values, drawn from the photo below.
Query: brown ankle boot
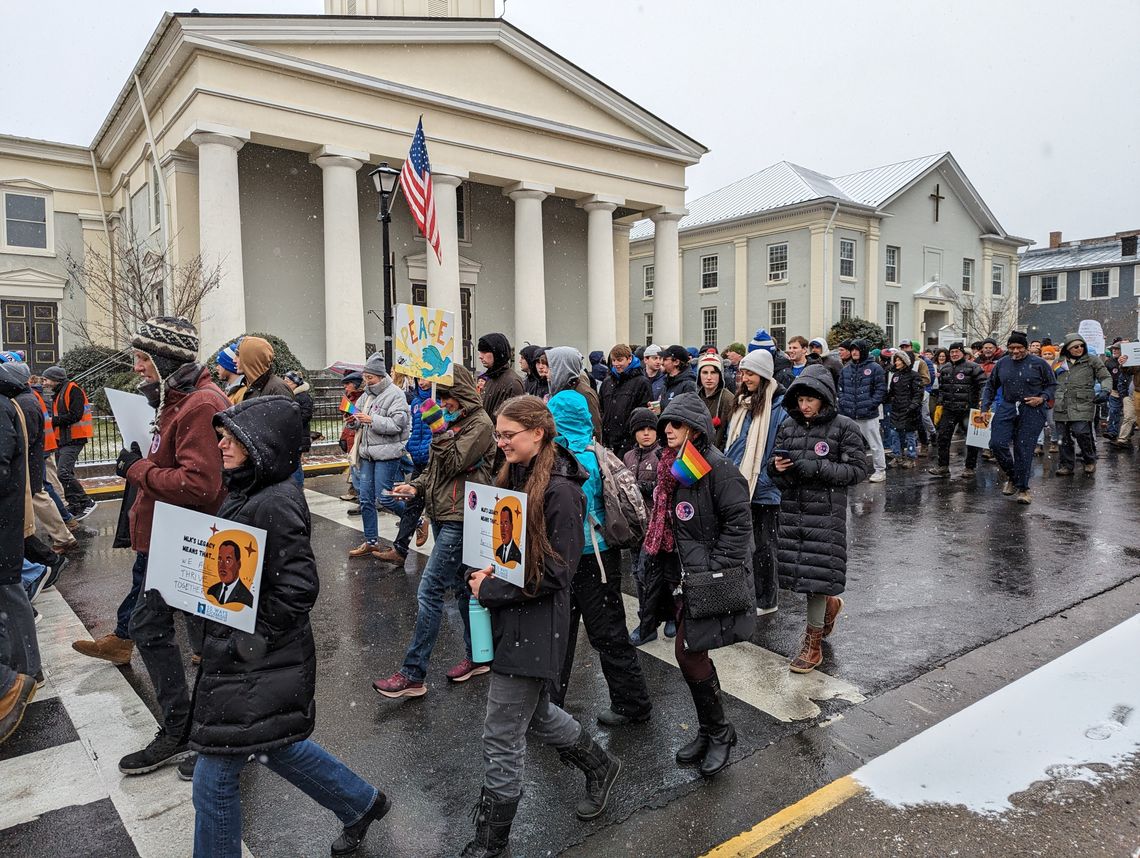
(109, 648)
(389, 555)
(811, 654)
(833, 609)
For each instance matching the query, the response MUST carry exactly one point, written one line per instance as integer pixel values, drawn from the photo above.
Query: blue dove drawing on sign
(437, 364)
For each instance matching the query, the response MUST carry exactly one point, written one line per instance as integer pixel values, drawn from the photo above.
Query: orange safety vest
(51, 441)
(85, 428)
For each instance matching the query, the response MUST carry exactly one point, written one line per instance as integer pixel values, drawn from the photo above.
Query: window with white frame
(846, 257)
(891, 269)
(892, 322)
(708, 326)
(27, 222)
(709, 267)
(462, 211)
(1049, 288)
(846, 309)
(155, 200)
(967, 321)
(1098, 283)
(778, 322)
(997, 279)
(777, 263)
(647, 280)
(648, 328)
(967, 275)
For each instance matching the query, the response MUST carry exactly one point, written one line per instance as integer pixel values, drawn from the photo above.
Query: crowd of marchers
(718, 478)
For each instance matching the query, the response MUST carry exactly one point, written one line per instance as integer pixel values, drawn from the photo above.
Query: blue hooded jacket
(576, 434)
(765, 493)
(419, 442)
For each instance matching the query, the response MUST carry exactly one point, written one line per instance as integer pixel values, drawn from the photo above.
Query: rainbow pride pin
(432, 415)
(347, 405)
(690, 466)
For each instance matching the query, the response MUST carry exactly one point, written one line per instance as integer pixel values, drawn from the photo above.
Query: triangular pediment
(484, 67)
(32, 277)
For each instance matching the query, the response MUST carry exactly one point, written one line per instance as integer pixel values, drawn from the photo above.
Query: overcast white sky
(1037, 100)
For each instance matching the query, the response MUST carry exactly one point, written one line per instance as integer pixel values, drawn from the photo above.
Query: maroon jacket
(185, 465)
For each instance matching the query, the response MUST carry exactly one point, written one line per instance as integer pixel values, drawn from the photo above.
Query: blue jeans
(305, 764)
(444, 571)
(64, 512)
(1115, 416)
(299, 475)
(909, 440)
(1016, 425)
(30, 573)
(127, 606)
(375, 478)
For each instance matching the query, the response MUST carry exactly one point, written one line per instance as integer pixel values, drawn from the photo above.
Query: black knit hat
(1017, 338)
(642, 418)
(959, 345)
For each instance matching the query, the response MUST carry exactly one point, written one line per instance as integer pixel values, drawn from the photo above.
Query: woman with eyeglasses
(527, 626)
(596, 586)
(254, 692)
(698, 525)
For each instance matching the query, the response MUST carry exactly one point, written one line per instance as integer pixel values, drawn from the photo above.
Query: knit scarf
(754, 452)
(659, 533)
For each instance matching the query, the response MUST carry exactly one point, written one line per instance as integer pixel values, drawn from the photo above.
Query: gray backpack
(626, 516)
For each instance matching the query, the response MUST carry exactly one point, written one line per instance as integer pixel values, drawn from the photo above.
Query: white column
(871, 299)
(740, 330)
(601, 319)
(344, 284)
(666, 276)
(222, 312)
(443, 275)
(621, 281)
(530, 268)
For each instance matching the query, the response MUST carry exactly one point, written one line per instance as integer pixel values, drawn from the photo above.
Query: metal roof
(1079, 256)
(786, 184)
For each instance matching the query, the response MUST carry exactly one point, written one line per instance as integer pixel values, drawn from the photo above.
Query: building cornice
(45, 150)
(752, 225)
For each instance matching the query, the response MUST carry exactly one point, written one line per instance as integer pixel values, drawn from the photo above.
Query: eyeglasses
(676, 424)
(506, 436)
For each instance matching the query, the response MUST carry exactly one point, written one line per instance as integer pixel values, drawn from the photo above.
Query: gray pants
(516, 705)
(870, 430)
(65, 458)
(19, 647)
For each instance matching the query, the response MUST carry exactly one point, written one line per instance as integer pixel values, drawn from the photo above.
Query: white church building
(911, 246)
(249, 139)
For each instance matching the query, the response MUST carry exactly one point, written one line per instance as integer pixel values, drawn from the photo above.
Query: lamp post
(385, 179)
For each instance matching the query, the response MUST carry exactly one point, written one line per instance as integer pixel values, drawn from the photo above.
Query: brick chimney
(1055, 239)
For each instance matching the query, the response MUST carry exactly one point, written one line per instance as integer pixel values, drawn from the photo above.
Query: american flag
(415, 179)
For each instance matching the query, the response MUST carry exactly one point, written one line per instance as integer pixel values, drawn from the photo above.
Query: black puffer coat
(255, 691)
(862, 384)
(904, 396)
(620, 394)
(712, 526)
(960, 386)
(534, 384)
(829, 454)
(13, 482)
(528, 631)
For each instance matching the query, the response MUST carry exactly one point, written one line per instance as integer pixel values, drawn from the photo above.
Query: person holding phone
(756, 417)
(819, 453)
(528, 629)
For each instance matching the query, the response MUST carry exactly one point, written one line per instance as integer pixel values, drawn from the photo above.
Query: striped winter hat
(227, 357)
(168, 337)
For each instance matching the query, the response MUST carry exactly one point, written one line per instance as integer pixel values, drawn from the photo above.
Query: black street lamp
(385, 178)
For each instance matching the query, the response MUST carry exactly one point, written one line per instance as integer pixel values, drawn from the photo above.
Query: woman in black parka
(826, 453)
(707, 525)
(905, 396)
(254, 692)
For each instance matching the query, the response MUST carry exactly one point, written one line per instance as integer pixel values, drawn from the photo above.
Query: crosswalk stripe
(46, 780)
(335, 510)
(760, 677)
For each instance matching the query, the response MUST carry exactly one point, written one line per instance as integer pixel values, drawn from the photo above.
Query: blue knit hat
(762, 340)
(227, 357)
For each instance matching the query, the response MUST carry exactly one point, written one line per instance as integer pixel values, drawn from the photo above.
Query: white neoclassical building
(249, 140)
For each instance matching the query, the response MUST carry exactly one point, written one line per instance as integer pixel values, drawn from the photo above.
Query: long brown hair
(530, 412)
(759, 398)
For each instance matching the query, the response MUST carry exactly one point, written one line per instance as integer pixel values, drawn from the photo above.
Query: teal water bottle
(482, 650)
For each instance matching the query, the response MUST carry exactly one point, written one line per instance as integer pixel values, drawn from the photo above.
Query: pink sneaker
(466, 669)
(398, 685)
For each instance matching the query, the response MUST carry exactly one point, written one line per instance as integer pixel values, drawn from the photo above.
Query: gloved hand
(127, 458)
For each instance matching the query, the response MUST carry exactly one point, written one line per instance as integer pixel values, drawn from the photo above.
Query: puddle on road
(1072, 720)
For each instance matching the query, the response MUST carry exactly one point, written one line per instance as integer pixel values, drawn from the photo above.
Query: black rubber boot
(493, 818)
(719, 734)
(601, 769)
(694, 752)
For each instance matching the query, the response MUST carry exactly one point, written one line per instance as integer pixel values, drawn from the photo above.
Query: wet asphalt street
(937, 568)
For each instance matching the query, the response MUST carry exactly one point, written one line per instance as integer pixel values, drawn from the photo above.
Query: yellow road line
(776, 827)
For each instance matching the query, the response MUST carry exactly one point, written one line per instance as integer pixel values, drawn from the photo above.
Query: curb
(111, 491)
